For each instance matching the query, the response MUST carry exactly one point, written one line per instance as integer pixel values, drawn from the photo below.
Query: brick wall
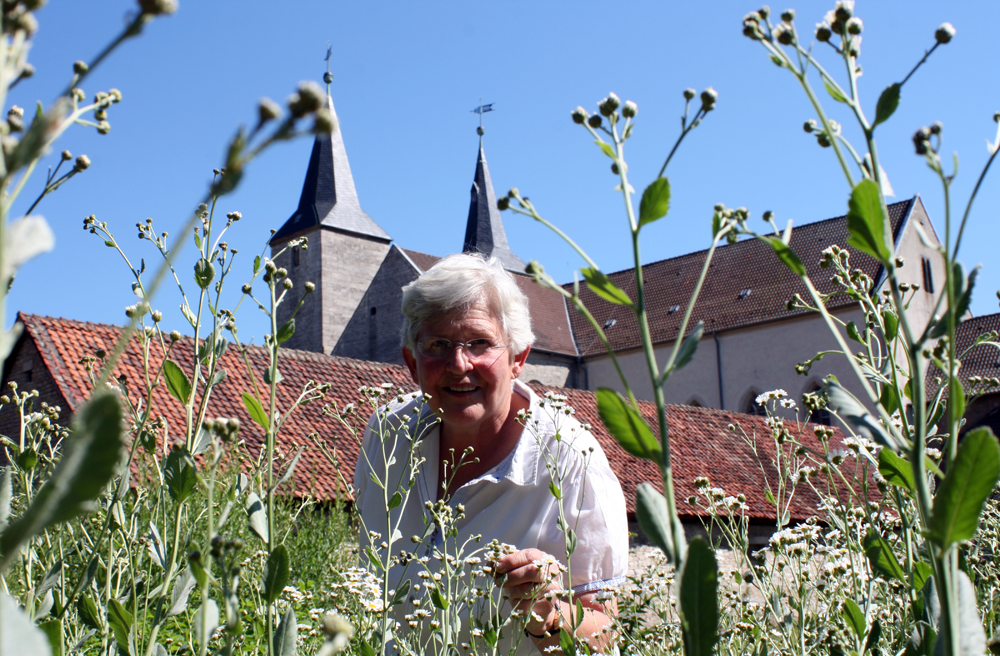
(25, 367)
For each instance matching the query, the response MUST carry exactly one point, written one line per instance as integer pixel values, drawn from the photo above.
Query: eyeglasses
(475, 349)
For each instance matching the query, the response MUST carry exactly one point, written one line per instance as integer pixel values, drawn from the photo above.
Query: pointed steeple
(328, 194)
(484, 231)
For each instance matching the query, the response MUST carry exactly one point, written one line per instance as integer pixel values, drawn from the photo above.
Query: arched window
(694, 403)
(751, 407)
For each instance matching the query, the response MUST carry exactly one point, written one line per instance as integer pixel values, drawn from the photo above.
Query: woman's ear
(411, 363)
(519, 361)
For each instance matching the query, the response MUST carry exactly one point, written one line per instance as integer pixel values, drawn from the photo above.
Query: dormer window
(745, 293)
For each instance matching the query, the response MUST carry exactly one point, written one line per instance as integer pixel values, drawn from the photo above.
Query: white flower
(773, 395)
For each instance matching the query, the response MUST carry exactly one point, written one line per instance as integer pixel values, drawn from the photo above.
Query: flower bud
(579, 115)
(82, 163)
(783, 34)
(115, 95)
(67, 156)
(27, 23)
(822, 140)
(608, 106)
(157, 316)
(282, 272)
(307, 100)
(689, 93)
(945, 33)
(844, 10)
(270, 266)
(323, 123)
(810, 126)
(936, 127)
(630, 109)
(80, 67)
(788, 15)
(286, 283)
(764, 11)
(996, 117)
(247, 288)
(158, 7)
(594, 121)
(103, 127)
(175, 336)
(855, 26)
(310, 287)
(614, 167)
(267, 110)
(28, 70)
(719, 208)
(823, 32)
(708, 98)
(503, 203)
(514, 192)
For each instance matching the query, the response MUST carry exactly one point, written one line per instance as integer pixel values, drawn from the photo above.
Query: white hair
(460, 282)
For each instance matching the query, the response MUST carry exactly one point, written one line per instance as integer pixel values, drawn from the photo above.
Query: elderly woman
(466, 337)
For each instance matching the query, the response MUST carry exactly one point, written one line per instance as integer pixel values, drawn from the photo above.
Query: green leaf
(178, 384)
(396, 499)
(921, 572)
(887, 103)
(891, 322)
(689, 346)
(956, 395)
(183, 585)
(971, 636)
(601, 285)
(605, 148)
(852, 331)
(256, 410)
(850, 410)
(275, 574)
(834, 92)
(287, 634)
(786, 255)
(969, 481)
(89, 460)
(19, 635)
(881, 557)
(854, 618)
(651, 511)
(626, 425)
(873, 637)
(257, 516)
(256, 264)
(286, 331)
(53, 630)
(120, 621)
(566, 643)
(439, 600)
(179, 474)
(866, 222)
(889, 399)
(277, 379)
(27, 459)
(699, 599)
(6, 493)
(964, 286)
(205, 621)
(554, 490)
(88, 612)
(895, 469)
(655, 201)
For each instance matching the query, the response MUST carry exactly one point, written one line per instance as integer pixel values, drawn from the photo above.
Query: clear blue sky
(406, 76)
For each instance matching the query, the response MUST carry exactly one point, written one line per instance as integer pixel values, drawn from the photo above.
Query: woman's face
(471, 393)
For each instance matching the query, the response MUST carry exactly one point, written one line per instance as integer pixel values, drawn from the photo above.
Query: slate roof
(982, 360)
(328, 194)
(701, 442)
(746, 265)
(549, 312)
(484, 231)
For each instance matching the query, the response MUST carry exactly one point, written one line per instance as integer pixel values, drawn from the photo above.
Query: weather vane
(482, 109)
(328, 76)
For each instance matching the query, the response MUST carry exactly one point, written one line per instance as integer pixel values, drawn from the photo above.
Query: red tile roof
(746, 265)
(549, 316)
(701, 443)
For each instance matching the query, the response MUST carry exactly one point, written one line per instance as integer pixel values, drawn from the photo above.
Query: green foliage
(969, 481)
(699, 599)
(887, 103)
(655, 201)
(626, 425)
(866, 222)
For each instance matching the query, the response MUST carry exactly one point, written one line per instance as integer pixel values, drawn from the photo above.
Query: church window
(928, 275)
(752, 407)
(295, 256)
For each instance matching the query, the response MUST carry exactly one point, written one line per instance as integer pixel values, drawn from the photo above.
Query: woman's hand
(530, 574)
(527, 576)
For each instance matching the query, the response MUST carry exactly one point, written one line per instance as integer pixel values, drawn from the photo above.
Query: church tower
(345, 249)
(484, 231)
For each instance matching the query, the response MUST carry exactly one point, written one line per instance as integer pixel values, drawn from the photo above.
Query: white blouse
(513, 502)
